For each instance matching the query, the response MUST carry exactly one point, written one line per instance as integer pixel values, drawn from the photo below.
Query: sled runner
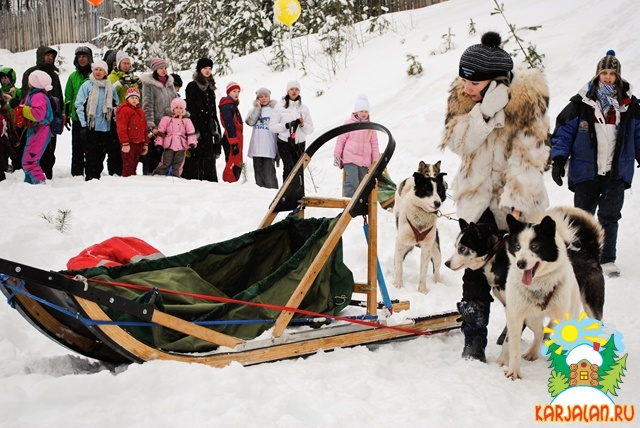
(278, 292)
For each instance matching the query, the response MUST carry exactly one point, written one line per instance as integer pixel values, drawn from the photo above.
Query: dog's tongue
(527, 277)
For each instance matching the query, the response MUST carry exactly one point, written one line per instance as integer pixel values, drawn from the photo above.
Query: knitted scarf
(608, 98)
(92, 101)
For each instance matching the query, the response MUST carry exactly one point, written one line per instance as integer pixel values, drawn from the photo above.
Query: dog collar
(418, 235)
(546, 300)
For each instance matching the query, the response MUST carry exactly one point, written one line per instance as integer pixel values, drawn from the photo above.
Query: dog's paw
(530, 355)
(502, 361)
(423, 289)
(512, 374)
(438, 278)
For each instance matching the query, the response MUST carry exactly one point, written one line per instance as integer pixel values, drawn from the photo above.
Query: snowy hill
(417, 383)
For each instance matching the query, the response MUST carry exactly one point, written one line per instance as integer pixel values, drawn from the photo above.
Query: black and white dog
(554, 269)
(418, 200)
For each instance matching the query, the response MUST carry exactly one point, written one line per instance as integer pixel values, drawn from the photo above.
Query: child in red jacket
(133, 131)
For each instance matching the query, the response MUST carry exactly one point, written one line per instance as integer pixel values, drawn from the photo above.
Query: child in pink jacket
(356, 151)
(176, 134)
(38, 110)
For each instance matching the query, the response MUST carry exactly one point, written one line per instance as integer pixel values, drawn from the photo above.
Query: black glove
(84, 131)
(159, 149)
(293, 124)
(557, 170)
(234, 149)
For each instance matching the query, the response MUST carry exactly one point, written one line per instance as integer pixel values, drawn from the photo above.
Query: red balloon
(95, 3)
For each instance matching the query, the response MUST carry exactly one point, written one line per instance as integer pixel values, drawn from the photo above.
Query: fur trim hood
(147, 79)
(272, 103)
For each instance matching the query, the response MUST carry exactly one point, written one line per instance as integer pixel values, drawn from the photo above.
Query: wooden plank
(121, 341)
(316, 202)
(372, 256)
(93, 310)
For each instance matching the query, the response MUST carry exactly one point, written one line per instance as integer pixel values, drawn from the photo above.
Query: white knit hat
(120, 56)
(41, 80)
(100, 64)
(293, 84)
(362, 103)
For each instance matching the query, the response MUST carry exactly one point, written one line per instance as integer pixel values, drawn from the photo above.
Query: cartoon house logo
(586, 371)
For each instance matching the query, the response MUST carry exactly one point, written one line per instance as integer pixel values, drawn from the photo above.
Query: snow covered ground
(417, 383)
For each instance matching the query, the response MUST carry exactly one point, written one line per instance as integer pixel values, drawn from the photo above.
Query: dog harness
(547, 299)
(416, 233)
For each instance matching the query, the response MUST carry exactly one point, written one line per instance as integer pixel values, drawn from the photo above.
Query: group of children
(279, 130)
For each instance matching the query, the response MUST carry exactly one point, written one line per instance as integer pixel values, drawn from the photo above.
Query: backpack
(18, 118)
(59, 118)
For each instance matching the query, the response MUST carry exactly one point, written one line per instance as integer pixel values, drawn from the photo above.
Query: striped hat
(485, 61)
(609, 62)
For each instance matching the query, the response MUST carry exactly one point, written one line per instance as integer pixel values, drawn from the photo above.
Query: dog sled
(278, 292)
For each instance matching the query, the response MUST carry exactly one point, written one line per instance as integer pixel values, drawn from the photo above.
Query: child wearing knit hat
(176, 135)
(597, 131)
(232, 142)
(133, 132)
(496, 122)
(37, 109)
(262, 146)
(356, 151)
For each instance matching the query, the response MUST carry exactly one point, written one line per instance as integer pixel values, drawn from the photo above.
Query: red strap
(418, 235)
(262, 305)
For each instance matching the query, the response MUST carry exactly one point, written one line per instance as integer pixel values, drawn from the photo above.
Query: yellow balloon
(287, 11)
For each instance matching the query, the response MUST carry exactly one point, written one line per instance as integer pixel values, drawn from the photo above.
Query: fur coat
(156, 98)
(503, 159)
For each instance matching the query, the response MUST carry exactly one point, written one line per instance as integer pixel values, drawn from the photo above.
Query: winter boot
(475, 318)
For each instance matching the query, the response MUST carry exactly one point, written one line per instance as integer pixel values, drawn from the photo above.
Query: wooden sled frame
(112, 343)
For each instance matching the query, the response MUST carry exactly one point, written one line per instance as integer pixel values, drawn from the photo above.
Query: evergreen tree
(191, 38)
(141, 40)
(612, 379)
(278, 61)
(558, 361)
(608, 353)
(247, 26)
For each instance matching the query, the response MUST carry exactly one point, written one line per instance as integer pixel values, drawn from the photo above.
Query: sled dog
(429, 169)
(541, 281)
(418, 200)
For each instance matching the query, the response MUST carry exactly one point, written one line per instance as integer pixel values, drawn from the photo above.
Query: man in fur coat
(497, 123)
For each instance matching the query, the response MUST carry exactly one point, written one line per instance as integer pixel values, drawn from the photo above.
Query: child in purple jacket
(38, 110)
(356, 151)
(176, 134)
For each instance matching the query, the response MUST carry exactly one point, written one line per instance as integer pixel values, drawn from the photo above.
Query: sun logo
(574, 332)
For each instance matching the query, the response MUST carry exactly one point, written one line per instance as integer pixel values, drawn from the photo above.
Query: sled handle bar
(362, 193)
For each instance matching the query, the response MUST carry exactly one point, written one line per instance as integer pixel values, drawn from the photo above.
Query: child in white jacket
(262, 146)
(176, 134)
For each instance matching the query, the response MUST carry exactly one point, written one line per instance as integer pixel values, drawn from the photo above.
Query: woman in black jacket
(200, 163)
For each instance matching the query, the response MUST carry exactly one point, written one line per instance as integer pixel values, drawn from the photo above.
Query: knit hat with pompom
(485, 61)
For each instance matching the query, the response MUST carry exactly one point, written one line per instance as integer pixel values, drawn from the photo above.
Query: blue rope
(381, 282)
(89, 321)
